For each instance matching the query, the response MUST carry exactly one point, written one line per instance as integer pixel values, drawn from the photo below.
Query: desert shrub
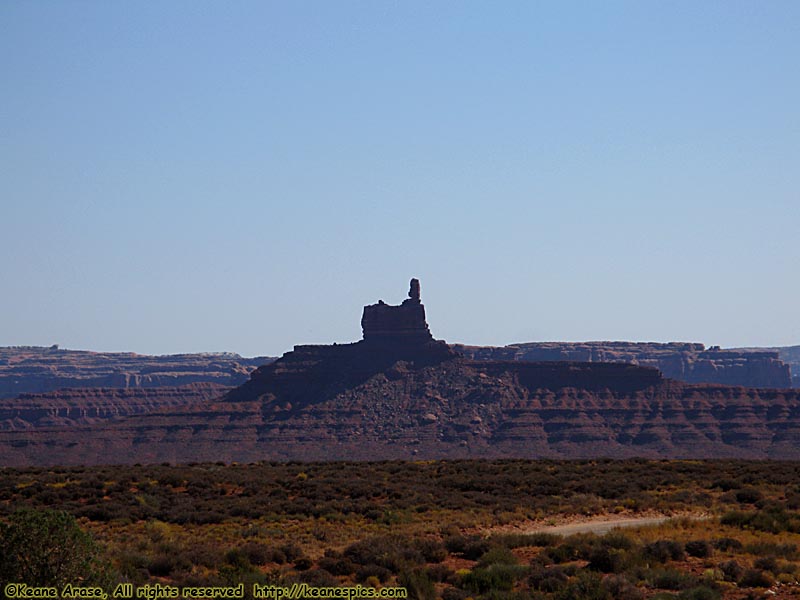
(456, 543)
(664, 550)
(303, 563)
(572, 548)
(792, 500)
(731, 570)
(99, 513)
(337, 566)
(586, 586)
(257, 554)
(196, 580)
(617, 539)
(230, 575)
(524, 540)
(237, 557)
(560, 554)
(701, 592)
(204, 555)
(786, 567)
(736, 518)
(671, 579)
(373, 514)
(787, 551)
(547, 580)
(609, 560)
(317, 578)
(497, 556)
(619, 588)
(497, 577)
(476, 548)
(381, 573)
(162, 565)
(291, 551)
(754, 578)
(133, 566)
(48, 548)
(284, 489)
(394, 552)
(748, 496)
(440, 573)
(433, 551)
(726, 544)
(278, 556)
(771, 520)
(699, 548)
(418, 585)
(766, 563)
(207, 517)
(454, 593)
(775, 520)
(372, 582)
(726, 485)
(611, 553)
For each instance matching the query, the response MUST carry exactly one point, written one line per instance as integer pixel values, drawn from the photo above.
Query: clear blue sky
(245, 176)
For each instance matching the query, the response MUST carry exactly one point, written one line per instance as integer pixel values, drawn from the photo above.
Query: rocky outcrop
(453, 409)
(688, 362)
(399, 393)
(788, 354)
(310, 373)
(397, 325)
(32, 369)
(87, 406)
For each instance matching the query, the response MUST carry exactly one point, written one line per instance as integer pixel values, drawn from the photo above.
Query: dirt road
(599, 526)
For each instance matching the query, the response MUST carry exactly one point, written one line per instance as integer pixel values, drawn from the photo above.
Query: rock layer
(398, 393)
(788, 354)
(453, 409)
(86, 406)
(32, 369)
(689, 362)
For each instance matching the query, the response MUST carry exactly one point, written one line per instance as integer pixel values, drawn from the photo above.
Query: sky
(245, 176)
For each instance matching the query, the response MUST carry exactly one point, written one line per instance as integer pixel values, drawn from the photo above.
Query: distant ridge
(788, 354)
(40, 369)
(684, 361)
(400, 393)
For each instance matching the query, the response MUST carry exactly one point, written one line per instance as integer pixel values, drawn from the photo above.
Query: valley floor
(598, 529)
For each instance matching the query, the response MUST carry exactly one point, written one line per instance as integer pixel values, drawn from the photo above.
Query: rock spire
(401, 324)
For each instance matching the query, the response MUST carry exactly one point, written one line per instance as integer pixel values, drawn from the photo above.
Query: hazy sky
(245, 176)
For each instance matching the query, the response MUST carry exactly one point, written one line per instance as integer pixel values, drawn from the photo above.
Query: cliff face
(399, 393)
(788, 354)
(38, 370)
(87, 406)
(688, 362)
(311, 373)
(453, 409)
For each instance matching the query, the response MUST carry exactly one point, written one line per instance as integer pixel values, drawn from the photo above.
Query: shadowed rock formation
(397, 325)
(399, 393)
(86, 406)
(454, 409)
(311, 374)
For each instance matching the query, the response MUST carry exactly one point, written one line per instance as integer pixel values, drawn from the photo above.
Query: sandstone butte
(400, 394)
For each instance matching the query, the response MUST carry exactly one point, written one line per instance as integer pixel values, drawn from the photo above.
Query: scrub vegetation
(442, 529)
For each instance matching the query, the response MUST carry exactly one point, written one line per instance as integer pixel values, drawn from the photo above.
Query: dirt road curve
(599, 526)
